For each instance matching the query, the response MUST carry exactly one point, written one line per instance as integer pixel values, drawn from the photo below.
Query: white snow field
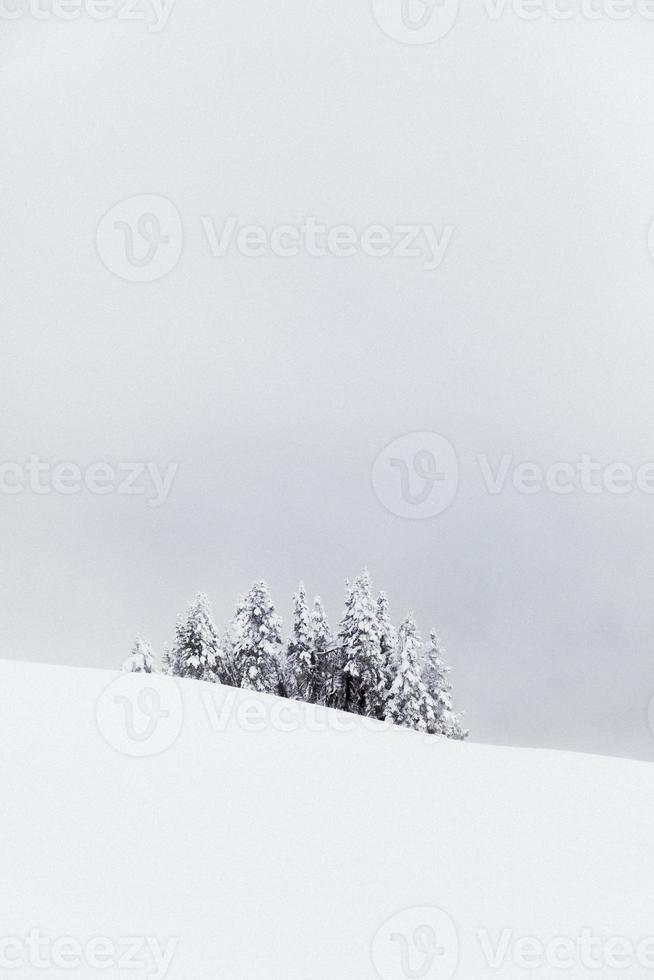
(155, 828)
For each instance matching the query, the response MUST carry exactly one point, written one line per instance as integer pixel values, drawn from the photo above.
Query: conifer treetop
(141, 658)
(257, 647)
(195, 653)
(410, 703)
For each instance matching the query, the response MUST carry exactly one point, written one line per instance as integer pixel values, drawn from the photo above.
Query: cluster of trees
(368, 667)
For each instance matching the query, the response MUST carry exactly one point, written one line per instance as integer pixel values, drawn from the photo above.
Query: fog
(271, 382)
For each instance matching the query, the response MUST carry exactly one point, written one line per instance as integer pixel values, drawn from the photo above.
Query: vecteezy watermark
(426, 21)
(567, 10)
(318, 240)
(228, 707)
(154, 13)
(585, 951)
(417, 475)
(42, 478)
(140, 239)
(40, 952)
(420, 942)
(416, 21)
(583, 475)
(139, 716)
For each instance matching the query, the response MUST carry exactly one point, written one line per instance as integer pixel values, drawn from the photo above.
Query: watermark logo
(417, 944)
(426, 21)
(41, 477)
(416, 21)
(315, 239)
(568, 10)
(154, 13)
(587, 952)
(227, 708)
(139, 718)
(563, 477)
(36, 951)
(417, 475)
(141, 239)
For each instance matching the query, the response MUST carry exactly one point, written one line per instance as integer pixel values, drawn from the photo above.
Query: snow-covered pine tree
(257, 643)
(195, 652)
(387, 640)
(361, 679)
(141, 659)
(283, 683)
(231, 639)
(300, 654)
(435, 675)
(226, 669)
(167, 662)
(409, 702)
(325, 669)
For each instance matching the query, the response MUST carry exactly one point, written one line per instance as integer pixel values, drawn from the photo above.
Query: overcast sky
(273, 383)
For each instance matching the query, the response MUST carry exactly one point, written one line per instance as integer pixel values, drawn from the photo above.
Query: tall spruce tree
(141, 659)
(409, 701)
(361, 679)
(257, 644)
(227, 668)
(168, 662)
(324, 678)
(435, 675)
(230, 642)
(283, 684)
(195, 652)
(387, 640)
(300, 652)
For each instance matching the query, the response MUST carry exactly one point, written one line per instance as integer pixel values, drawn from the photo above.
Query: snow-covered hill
(209, 833)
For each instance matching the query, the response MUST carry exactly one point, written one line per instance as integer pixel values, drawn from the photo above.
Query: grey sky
(274, 382)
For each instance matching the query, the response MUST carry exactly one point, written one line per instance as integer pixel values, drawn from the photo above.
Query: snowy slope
(268, 841)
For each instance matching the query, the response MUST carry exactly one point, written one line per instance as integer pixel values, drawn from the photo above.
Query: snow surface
(274, 843)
